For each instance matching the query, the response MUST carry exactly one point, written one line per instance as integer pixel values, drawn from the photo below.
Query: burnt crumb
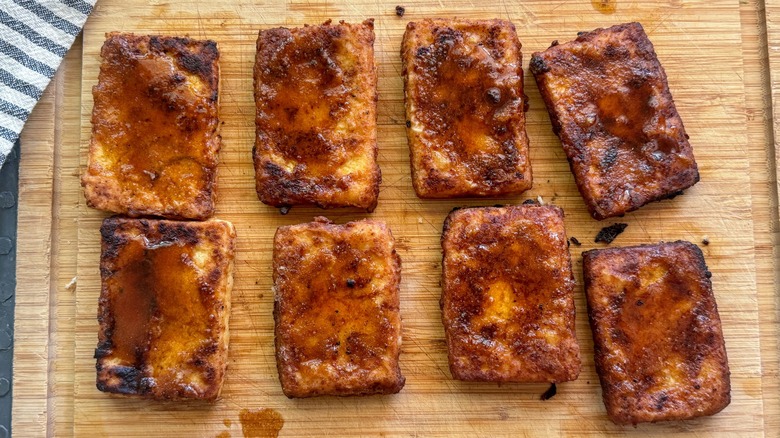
(400, 11)
(538, 66)
(705, 241)
(530, 202)
(350, 283)
(493, 95)
(284, 209)
(408, 123)
(608, 234)
(575, 241)
(550, 393)
(554, 43)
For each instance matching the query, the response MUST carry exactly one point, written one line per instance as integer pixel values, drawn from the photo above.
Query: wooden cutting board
(692, 39)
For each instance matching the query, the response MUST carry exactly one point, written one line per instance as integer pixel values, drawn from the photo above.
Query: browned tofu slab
(507, 299)
(336, 307)
(610, 104)
(315, 91)
(658, 342)
(155, 128)
(465, 108)
(164, 307)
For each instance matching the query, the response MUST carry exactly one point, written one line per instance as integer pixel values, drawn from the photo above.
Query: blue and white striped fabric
(34, 36)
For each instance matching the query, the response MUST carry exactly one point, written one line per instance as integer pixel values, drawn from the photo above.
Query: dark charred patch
(609, 158)
(538, 65)
(400, 11)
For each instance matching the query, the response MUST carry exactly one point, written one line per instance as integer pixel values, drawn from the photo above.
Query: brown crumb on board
(400, 11)
(550, 393)
(608, 234)
(575, 241)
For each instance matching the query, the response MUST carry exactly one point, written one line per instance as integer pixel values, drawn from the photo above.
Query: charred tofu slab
(155, 128)
(507, 300)
(164, 307)
(659, 347)
(315, 92)
(336, 307)
(610, 104)
(465, 108)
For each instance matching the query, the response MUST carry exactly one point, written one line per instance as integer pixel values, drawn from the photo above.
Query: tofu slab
(155, 128)
(507, 299)
(336, 307)
(659, 347)
(315, 92)
(465, 108)
(610, 104)
(164, 307)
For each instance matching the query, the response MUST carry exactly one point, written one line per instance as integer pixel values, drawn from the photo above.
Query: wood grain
(724, 111)
(31, 334)
(758, 98)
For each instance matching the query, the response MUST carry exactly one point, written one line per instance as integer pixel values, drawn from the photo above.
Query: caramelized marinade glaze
(610, 104)
(315, 92)
(465, 108)
(155, 128)
(336, 308)
(164, 307)
(507, 295)
(658, 342)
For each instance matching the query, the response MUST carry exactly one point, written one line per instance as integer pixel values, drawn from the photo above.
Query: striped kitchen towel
(34, 36)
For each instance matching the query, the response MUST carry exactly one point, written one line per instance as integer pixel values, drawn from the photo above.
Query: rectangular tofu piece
(164, 307)
(155, 128)
(610, 104)
(659, 348)
(336, 308)
(507, 299)
(465, 108)
(315, 92)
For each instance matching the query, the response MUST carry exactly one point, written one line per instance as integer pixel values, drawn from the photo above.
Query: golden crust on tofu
(465, 108)
(336, 307)
(164, 307)
(507, 299)
(315, 91)
(610, 104)
(659, 347)
(155, 128)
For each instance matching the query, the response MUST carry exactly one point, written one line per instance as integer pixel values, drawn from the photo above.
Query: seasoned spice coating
(336, 308)
(164, 307)
(315, 92)
(507, 300)
(465, 108)
(609, 102)
(658, 342)
(155, 128)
